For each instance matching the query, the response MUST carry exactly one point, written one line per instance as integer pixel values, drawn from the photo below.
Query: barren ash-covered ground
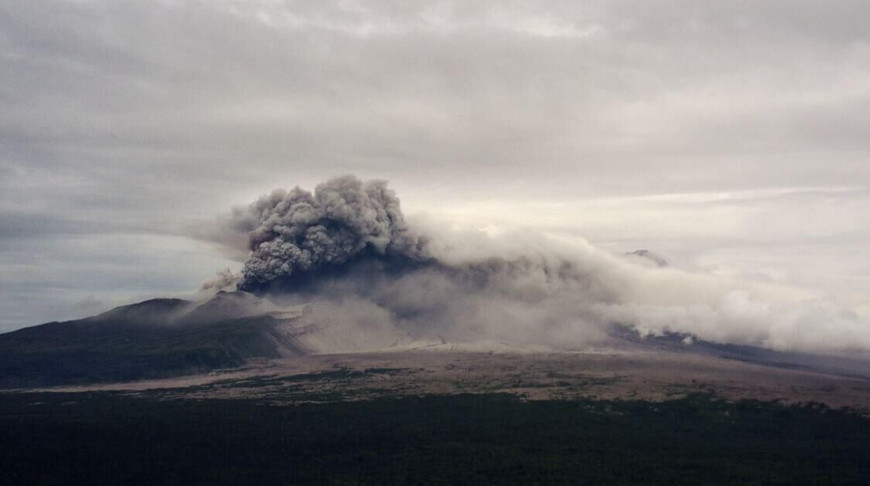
(605, 375)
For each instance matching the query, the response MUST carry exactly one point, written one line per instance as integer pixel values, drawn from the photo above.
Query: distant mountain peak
(649, 256)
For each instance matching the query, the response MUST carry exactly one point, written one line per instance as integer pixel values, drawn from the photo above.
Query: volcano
(169, 338)
(151, 339)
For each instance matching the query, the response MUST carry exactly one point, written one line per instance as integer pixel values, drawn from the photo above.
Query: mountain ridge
(149, 339)
(164, 338)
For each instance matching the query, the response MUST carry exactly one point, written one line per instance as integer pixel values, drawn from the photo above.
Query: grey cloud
(411, 91)
(367, 282)
(121, 118)
(297, 233)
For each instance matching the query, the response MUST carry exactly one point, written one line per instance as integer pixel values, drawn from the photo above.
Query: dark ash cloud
(295, 233)
(368, 280)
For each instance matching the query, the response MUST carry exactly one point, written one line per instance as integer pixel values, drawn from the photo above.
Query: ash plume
(224, 279)
(295, 234)
(368, 280)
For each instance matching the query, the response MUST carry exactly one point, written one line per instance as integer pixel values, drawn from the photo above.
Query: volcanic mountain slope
(625, 337)
(151, 339)
(164, 338)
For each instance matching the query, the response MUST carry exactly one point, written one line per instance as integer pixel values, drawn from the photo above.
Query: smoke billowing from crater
(369, 279)
(293, 235)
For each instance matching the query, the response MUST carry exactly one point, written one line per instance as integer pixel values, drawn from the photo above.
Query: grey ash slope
(152, 339)
(627, 337)
(164, 338)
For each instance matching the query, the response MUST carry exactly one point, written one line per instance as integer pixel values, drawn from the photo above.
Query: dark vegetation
(103, 438)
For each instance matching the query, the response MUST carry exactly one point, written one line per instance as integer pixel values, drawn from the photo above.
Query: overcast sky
(730, 137)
